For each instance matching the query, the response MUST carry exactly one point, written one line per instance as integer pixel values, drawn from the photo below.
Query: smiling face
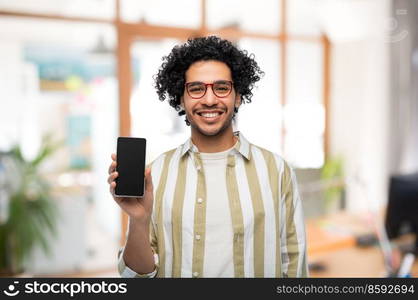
(210, 115)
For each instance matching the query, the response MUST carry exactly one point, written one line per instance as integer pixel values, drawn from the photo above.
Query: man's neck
(216, 143)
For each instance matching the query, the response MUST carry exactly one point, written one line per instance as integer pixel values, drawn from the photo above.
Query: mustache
(209, 110)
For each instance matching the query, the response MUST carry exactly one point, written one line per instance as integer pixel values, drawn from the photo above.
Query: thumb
(148, 181)
(149, 194)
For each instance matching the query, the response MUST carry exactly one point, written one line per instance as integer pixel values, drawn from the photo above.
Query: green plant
(32, 212)
(332, 174)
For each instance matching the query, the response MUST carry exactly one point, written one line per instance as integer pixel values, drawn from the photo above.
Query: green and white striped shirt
(265, 207)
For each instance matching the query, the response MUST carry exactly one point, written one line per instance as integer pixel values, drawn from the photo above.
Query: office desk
(332, 244)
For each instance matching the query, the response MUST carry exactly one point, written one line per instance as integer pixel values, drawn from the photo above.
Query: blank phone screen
(130, 165)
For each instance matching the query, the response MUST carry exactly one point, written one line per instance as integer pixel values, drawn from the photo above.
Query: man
(216, 206)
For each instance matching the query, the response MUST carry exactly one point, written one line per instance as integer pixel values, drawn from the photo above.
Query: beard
(212, 130)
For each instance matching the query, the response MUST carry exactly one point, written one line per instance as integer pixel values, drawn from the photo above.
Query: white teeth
(210, 115)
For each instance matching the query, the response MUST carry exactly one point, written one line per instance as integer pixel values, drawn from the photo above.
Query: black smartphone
(130, 164)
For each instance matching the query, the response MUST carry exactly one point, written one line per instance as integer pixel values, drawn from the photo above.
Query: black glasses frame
(187, 84)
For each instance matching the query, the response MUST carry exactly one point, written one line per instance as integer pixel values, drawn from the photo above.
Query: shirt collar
(242, 146)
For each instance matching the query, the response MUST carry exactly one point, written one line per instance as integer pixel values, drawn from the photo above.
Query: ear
(237, 100)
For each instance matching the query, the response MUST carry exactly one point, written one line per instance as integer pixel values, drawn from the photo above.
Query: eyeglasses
(197, 89)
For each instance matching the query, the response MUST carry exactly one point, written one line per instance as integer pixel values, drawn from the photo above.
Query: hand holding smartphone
(131, 196)
(132, 189)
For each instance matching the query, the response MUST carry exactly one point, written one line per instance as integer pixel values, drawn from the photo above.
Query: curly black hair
(170, 78)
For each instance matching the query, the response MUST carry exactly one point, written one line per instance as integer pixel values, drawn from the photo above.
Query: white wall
(11, 96)
(360, 103)
(104, 133)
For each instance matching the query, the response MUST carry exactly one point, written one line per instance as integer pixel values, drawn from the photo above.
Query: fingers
(112, 186)
(112, 177)
(112, 167)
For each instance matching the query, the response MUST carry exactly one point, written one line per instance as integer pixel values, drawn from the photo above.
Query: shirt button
(198, 168)
(197, 237)
(195, 274)
(200, 200)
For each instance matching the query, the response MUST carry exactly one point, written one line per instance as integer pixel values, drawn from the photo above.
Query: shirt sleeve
(126, 272)
(293, 249)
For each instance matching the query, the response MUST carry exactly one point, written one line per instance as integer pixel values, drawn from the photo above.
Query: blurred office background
(339, 101)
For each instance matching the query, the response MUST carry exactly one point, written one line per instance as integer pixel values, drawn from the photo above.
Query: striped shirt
(265, 207)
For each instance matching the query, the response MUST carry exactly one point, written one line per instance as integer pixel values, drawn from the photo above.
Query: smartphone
(130, 165)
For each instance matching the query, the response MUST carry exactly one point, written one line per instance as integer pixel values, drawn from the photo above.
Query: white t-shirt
(218, 260)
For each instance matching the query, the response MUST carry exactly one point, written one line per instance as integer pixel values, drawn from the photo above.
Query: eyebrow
(200, 82)
(194, 82)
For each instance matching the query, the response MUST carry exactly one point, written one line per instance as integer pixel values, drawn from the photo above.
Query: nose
(210, 98)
